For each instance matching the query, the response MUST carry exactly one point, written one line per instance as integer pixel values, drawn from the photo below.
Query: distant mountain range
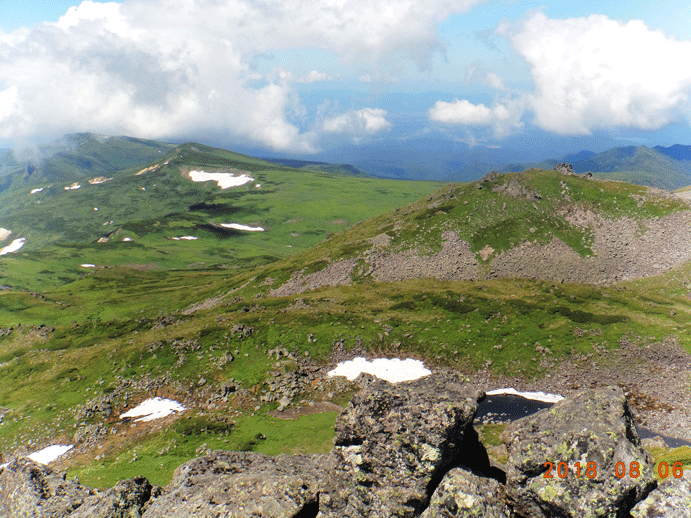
(437, 156)
(662, 167)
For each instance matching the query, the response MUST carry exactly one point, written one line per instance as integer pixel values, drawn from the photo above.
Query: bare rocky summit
(402, 450)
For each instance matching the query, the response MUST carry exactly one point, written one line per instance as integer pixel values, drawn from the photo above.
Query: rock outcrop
(243, 485)
(403, 450)
(395, 442)
(28, 489)
(461, 493)
(671, 500)
(567, 461)
(128, 499)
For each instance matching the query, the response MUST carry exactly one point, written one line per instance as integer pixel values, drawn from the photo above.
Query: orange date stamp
(589, 470)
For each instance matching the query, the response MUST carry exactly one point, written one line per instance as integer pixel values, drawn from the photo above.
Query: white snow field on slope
(34, 191)
(13, 246)
(392, 370)
(154, 408)
(49, 454)
(238, 226)
(224, 180)
(46, 455)
(535, 396)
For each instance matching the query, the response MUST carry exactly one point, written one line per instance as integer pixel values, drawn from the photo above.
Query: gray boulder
(31, 490)
(595, 426)
(672, 499)
(243, 484)
(126, 500)
(462, 494)
(564, 168)
(394, 443)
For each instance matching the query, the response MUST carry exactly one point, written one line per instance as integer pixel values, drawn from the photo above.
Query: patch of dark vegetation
(195, 426)
(585, 317)
(252, 444)
(215, 209)
(11, 356)
(87, 334)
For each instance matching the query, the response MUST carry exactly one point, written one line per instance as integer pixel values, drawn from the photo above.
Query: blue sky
(301, 77)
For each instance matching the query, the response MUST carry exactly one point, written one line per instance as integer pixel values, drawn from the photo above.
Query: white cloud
(504, 119)
(359, 123)
(314, 77)
(495, 81)
(596, 73)
(164, 68)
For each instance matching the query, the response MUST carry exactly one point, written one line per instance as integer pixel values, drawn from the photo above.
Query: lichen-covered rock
(126, 500)
(462, 494)
(31, 490)
(672, 499)
(395, 442)
(243, 484)
(594, 429)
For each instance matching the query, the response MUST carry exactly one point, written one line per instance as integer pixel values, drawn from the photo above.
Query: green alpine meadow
(134, 269)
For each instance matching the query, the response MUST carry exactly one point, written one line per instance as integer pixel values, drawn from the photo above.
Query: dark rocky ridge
(401, 450)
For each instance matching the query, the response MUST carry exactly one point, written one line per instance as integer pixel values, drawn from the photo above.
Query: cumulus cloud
(314, 77)
(164, 68)
(504, 118)
(358, 123)
(596, 73)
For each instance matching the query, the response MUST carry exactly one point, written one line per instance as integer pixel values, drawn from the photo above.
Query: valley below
(230, 288)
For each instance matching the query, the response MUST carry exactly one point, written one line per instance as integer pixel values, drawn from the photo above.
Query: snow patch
(34, 191)
(392, 370)
(4, 234)
(155, 408)
(127, 239)
(237, 226)
(147, 169)
(14, 246)
(88, 265)
(185, 238)
(99, 179)
(535, 396)
(224, 180)
(49, 454)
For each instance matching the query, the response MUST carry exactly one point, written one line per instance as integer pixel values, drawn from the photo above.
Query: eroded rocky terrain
(403, 450)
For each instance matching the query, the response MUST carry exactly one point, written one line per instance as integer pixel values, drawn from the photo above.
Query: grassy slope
(484, 217)
(297, 208)
(463, 324)
(468, 325)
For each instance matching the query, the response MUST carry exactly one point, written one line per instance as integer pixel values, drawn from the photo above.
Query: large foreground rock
(28, 489)
(462, 494)
(127, 499)
(595, 427)
(394, 443)
(243, 485)
(672, 499)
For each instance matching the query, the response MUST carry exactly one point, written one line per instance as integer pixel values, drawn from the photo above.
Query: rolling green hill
(137, 213)
(346, 264)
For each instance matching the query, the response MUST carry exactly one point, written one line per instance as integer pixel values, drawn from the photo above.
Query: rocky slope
(554, 226)
(401, 450)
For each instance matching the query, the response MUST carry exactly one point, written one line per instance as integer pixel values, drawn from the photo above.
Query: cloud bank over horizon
(240, 68)
(162, 69)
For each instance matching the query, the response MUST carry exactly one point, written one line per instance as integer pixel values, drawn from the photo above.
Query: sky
(301, 77)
